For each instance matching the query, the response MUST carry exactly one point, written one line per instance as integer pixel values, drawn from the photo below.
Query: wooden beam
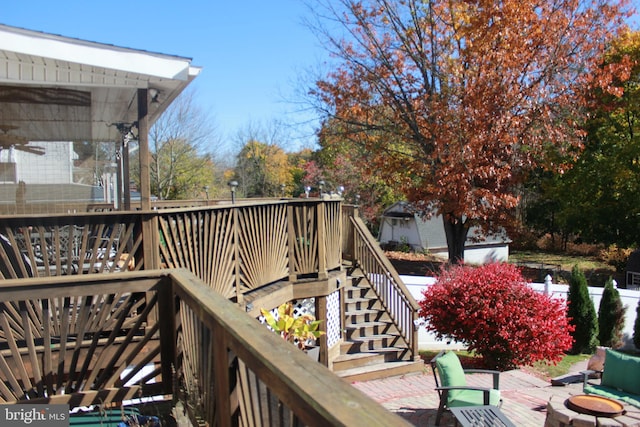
(166, 305)
(98, 397)
(143, 151)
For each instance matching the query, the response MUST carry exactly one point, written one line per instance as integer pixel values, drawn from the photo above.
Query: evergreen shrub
(582, 314)
(610, 317)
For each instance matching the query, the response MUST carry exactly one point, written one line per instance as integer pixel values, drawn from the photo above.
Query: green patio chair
(451, 384)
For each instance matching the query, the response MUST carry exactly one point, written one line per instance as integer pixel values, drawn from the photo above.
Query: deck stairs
(372, 347)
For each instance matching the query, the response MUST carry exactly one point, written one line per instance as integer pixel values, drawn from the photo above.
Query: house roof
(55, 88)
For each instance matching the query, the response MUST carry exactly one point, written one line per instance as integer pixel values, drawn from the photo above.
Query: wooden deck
(175, 293)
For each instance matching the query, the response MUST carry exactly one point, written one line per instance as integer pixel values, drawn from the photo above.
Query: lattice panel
(300, 308)
(333, 318)
(304, 306)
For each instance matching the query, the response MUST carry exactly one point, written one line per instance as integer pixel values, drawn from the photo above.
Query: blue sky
(252, 52)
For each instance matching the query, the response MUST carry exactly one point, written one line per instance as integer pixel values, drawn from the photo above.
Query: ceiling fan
(17, 142)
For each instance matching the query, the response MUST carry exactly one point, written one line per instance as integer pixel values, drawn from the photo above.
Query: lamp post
(282, 188)
(307, 190)
(206, 191)
(320, 185)
(340, 190)
(232, 186)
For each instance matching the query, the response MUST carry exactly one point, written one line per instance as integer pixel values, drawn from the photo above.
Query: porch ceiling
(54, 88)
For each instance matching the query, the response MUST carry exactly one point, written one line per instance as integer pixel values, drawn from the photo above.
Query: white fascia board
(194, 71)
(95, 54)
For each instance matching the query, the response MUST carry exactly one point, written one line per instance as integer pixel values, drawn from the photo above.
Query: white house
(48, 163)
(400, 225)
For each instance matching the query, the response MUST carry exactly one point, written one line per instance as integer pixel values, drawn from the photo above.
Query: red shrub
(493, 311)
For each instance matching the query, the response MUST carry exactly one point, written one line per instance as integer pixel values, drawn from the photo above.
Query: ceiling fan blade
(7, 141)
(39, 151)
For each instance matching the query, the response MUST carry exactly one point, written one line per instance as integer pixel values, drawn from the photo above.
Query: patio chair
(452, 388)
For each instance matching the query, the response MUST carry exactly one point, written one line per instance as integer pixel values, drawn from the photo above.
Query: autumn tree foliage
(582, 314)
(261, 170)
(462, 97)
(338, 164)
(493, 311)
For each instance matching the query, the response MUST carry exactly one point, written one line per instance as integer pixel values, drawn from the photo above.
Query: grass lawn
(551, 371)
(537, 264)
(540, 369)
(563, 260)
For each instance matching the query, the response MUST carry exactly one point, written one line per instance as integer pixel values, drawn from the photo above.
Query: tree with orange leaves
(455, 101)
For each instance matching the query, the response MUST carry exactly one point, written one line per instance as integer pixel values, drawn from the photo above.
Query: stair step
(371, 348)
(355, 299)
(381, 370)
(358, 290)
(354, 360)
(355, 272)
(369, 324)
(367, 329)
(373, 337)
(368, 344)
(361, 303)
(362, 311)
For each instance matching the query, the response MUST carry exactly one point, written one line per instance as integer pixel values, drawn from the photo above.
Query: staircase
(373, 347)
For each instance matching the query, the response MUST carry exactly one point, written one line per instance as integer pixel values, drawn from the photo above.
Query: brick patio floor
(413, 397)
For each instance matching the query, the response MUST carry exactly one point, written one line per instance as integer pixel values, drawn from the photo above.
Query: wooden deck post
(292, 241)
(150, 250)
(236, 261)
(321, 313)
(143, 151)
(166, 305)
(322, 241)
(221, 369)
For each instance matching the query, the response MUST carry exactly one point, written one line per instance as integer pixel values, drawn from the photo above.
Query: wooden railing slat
(21, 370)
(8, 375)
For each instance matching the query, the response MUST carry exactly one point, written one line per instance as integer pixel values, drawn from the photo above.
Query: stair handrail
(396, 299)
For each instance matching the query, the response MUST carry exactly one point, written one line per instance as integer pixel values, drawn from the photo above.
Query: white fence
(427, 341)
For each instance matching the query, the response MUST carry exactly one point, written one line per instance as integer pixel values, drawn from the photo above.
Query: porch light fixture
(232, 186)
(153, 95)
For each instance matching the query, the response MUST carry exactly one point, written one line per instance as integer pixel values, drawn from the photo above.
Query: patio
(524, 396)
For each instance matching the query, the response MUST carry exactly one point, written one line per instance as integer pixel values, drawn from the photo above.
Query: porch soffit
(54, 88)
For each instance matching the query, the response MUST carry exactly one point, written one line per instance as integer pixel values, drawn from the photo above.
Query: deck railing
(55, 245)
(237, 249)
(65, 344)
(234, 248)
